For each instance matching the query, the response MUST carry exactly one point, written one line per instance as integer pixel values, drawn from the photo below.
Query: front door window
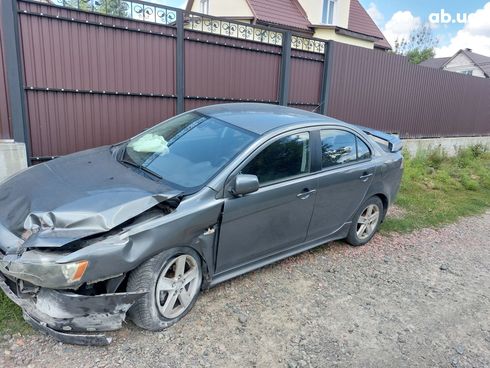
(283, 159)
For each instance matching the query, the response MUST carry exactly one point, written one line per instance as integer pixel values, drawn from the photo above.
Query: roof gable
(361, 22)
(281, 12)
(481, 61)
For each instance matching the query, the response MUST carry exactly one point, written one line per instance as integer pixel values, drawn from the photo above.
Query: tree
(419, 46)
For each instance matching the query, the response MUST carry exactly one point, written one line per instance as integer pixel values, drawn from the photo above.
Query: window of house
(285, 158)
(467, 72)
(328, 11)
(341, 147)
(204, 8)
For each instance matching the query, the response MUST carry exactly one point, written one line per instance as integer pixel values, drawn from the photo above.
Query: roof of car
(261, 118)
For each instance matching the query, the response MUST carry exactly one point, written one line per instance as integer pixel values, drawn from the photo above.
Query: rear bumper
(72, 318)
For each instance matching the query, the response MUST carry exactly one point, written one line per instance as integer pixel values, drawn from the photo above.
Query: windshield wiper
(141, 167)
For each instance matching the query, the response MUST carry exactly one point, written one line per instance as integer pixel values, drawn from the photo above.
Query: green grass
(11, 320)
(437, 189)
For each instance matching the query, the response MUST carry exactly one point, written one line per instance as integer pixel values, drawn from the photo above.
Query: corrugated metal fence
(386, 92)
(92, 79)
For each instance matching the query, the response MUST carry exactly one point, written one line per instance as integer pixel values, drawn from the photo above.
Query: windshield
(187, 150)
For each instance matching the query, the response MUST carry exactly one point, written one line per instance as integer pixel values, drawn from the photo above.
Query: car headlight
(42, 270)
(74, 271)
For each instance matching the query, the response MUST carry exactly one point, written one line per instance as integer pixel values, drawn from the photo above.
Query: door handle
(365, 177)
(305, 194)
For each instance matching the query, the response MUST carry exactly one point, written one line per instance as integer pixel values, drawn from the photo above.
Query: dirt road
(418, 300)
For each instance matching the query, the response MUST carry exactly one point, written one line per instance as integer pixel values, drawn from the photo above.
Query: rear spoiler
(395, 144)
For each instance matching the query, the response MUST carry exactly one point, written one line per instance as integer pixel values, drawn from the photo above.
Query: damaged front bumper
(72, 318)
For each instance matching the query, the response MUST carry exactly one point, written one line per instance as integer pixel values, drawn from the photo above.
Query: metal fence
(386, 92)
(94, 72)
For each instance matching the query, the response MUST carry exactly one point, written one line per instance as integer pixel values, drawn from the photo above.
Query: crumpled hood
(75, 196)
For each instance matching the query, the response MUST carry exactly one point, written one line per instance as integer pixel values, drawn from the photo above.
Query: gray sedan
(141, 227)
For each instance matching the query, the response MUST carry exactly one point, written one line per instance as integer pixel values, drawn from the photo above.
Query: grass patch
(11, 320)
(437, 189)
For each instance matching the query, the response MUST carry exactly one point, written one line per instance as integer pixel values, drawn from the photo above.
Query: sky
(457, 24)
(173, 3)
(465, 24)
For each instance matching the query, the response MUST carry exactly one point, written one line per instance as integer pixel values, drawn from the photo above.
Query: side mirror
(244, 184)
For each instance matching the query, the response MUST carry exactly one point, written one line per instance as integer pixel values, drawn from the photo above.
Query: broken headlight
(42, 269)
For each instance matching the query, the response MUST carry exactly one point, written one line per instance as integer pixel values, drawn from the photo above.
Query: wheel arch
(384, 200)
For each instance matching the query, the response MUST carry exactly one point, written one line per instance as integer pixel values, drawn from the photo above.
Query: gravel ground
(418, 300)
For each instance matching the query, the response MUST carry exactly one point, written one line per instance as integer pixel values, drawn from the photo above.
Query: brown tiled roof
(361, 22)
(281, 12)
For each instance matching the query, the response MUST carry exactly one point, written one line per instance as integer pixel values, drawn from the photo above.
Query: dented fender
(194, 224)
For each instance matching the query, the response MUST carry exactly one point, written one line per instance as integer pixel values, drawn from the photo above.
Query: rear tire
(173, 281)
(365, 222)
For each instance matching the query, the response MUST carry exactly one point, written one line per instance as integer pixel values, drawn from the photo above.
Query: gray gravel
(418, 300)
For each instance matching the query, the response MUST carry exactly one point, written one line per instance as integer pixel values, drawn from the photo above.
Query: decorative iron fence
(161, 14)
(137, 10)
(202, 23)
(307, 44)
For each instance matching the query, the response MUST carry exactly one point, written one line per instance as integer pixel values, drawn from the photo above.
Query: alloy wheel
(177, 286)
(367, 222)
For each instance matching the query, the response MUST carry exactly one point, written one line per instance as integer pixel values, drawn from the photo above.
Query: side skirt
(272, 258)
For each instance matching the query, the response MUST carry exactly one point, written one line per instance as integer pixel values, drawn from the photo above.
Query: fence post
(285, 69)
(327, 71)
(180, 63)
(15, 79)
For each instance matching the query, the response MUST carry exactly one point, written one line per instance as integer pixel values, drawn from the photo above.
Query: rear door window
(342, 147)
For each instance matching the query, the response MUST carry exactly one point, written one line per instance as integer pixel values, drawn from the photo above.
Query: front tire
(365, 222)
(173, 280)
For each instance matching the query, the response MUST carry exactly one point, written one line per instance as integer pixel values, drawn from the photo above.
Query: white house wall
(225, 8)
(314, 8)
(461, 63)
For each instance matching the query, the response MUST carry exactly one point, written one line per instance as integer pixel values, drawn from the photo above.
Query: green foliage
(419, 46)
(478, 150)
(11, 320)
(436, 157)
(417, 56)
(451, 188)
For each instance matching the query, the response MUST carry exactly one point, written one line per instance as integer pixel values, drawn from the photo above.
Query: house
(344, 21)
(464, 61)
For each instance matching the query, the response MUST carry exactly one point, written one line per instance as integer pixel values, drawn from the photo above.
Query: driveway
(420, 299)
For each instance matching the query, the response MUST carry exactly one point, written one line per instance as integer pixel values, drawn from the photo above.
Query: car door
(276, 216)
(346, 174)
